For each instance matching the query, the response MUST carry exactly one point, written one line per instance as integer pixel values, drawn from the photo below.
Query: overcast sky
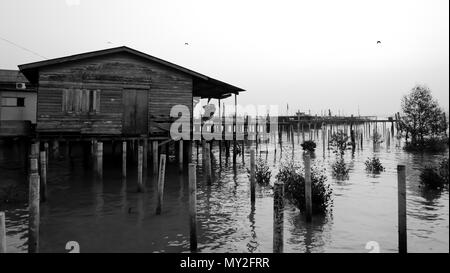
(313, 55)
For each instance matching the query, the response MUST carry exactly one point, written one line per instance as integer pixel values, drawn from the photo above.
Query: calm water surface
(110, 216)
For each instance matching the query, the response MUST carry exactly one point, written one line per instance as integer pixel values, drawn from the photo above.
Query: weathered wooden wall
(110, 75)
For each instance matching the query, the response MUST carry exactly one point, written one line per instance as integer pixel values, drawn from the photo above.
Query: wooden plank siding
(109, 75)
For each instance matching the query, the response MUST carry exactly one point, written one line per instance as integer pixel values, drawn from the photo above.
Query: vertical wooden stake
(207, 165)
(43, 182)
(243, 152)
(145, 154)
(402, 235)
(140, 167)
(252, 176)
(161, 176)
(55, 148)
(99, 159)
(278, 217)
(324, 136)
(46, 150)
(2, 232)
(180, 155)
(303, 134)
(33, 205)
(308, 199)
(193, 206)
(362, 138)
(124, 159)
(155, 156)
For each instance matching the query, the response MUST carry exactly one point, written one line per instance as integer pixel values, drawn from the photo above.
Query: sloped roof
(208, 87)
(12, 76)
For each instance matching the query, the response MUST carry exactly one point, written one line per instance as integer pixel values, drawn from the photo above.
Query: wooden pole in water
(303, 134)
(99, 159)
(140, 167)
(161, 176)
(145, 154)
(46, 150)
(243, 152)
(402, 235)
(180, 155)
(207, 165)
(124, 159)
(252, 176)
(2, 232)
(292, 137)
(308, 199)
(324, 136)
(55, 148)
(43, 182)
(278, 216)
(33, 206)
(155, 155)
(193, 206)
(362, 138)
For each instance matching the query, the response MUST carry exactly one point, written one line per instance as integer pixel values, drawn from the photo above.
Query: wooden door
(135, 112)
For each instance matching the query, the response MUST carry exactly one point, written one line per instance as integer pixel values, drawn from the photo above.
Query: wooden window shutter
(65, 100)
(97, 101)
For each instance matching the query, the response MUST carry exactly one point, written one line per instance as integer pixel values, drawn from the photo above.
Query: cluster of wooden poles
(278, 202)
(38, 187)
(37, 178)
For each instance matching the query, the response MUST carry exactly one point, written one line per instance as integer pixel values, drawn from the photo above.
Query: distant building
(17, 104)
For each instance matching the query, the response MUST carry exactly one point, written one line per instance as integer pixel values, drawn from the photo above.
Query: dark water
(110, 216)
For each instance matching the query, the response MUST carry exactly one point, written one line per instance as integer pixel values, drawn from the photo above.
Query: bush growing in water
(294, 187)
(262, 172)
(309, 146)
(430, 178)
(373, 165)
(339, 142)
(340, 169)
(376, 138)
(436, 144)
(443, 170)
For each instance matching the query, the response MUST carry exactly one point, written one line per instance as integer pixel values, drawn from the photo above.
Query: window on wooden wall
(81, 101)
(13, 102)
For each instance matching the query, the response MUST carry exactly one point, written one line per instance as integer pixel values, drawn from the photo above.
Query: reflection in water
(109, 215)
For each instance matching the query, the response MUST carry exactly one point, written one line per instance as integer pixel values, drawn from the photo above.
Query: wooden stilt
(145, 154)
(161, 177)
(402, 234)
(308, 199)
(193, 207)
(2, 232)
(155, 156)
(278, 217)
(33, 206)
(124, 159)
(140, 168)
(180, 155)
(43, 180)
(99, 159)
(252, 176)
(207, 162)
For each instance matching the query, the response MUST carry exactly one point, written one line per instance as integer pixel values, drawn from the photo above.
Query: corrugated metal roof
(12, 76)
(218, 88)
